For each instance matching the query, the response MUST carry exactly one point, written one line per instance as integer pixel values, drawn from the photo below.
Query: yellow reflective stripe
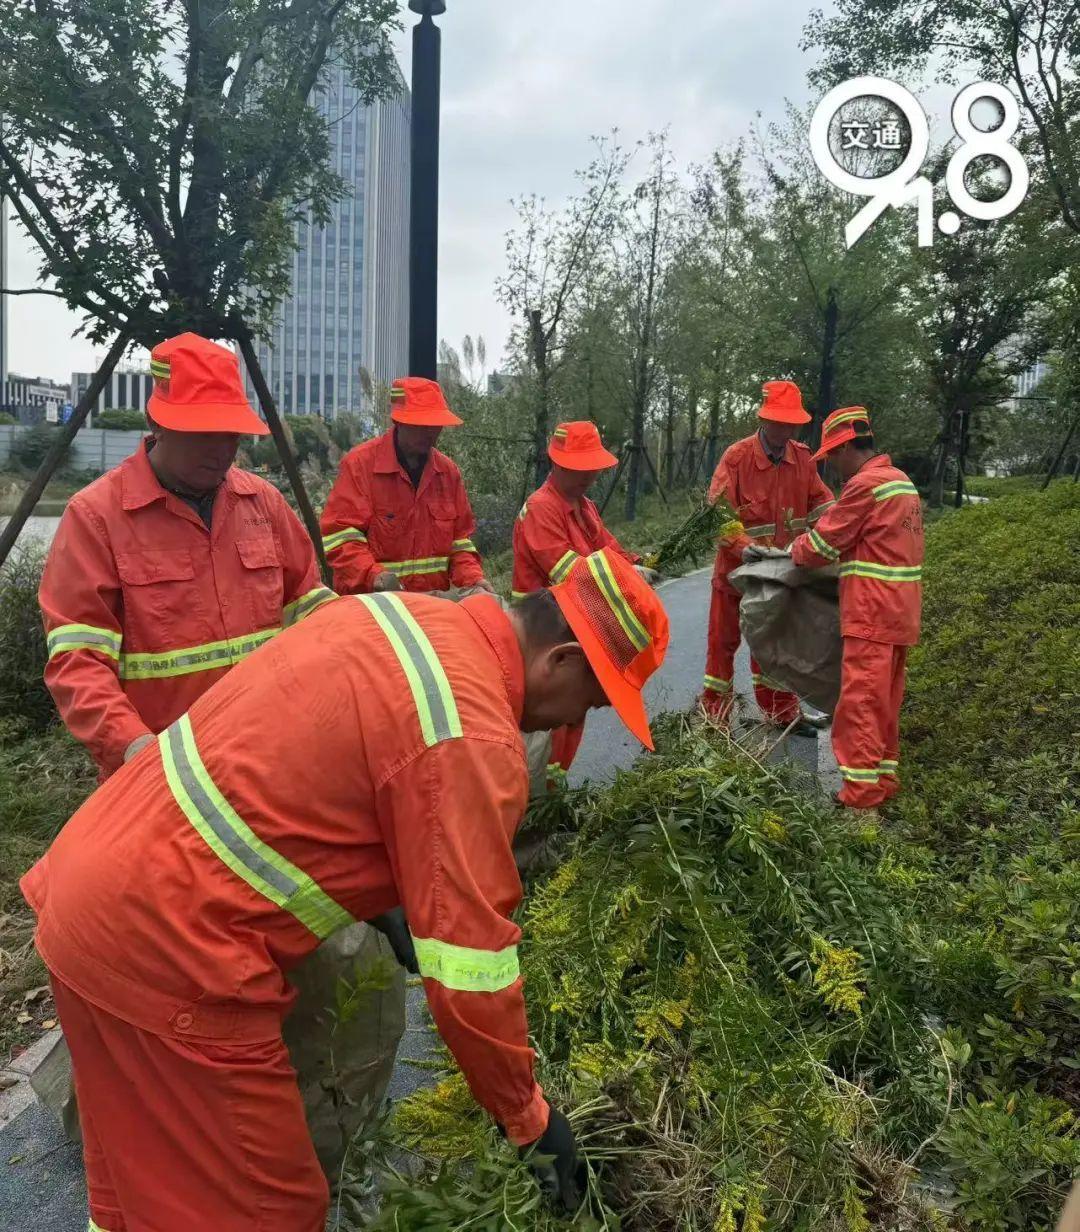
(234, 842)
(463, 545)
(854, 775)
(822, 546)
(161, 665)
(898, 487)
(836, 419)
(160, 369)
(716, 684)
(883, 573)
(767, 682)
(464, 969)
(888, 767)
(305, 605)
(422, 564)
(519, 594)
(524, 511)
(814, 514)
(562, 566)
(349, 535)
(432, 695)
(84, 637)
(616, 600)
(796, 524)
(759, 532)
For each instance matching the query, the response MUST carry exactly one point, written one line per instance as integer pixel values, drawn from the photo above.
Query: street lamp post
(424, 199)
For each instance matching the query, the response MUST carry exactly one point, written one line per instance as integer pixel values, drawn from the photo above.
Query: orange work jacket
(376, 521)
(875, 532)
(145, 608)
(774, 502)
(369, 756)
(550, 534)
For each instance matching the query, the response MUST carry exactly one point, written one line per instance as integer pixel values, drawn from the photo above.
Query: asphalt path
(41, 1183)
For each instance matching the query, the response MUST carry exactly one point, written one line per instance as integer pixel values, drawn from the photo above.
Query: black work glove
(561, 1176)
(394, 928)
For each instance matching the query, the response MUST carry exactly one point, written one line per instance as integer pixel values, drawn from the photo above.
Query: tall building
(349, 306)
(3, 298)
(128, 388)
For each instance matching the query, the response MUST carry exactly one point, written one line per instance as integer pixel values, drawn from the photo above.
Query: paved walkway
(41, 1187)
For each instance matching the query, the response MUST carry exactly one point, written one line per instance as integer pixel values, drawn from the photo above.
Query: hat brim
(834, 442)
(599, 459)
(794, 415)
(206, 417)
(626, 701)
(426, 419)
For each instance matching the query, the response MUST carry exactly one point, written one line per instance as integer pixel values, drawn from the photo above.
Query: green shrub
(121, 420)
(30, 446)
(6, 420)
(24, 700)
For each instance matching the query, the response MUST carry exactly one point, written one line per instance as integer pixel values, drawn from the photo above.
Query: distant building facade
(128, 388)
(33, 399)
(1026, 382)
(349, 306)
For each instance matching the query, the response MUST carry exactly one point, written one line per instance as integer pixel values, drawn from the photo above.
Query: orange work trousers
(866, 726)
(181, 1135)
(776, 703)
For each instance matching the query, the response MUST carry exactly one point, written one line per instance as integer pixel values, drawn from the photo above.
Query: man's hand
(387, 581)
(484, 584)
(652, 576)
(560, 1175)
(758, 551)
(136, 746)
(395, 929)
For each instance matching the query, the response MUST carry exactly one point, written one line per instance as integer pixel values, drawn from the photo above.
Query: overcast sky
(525, 84)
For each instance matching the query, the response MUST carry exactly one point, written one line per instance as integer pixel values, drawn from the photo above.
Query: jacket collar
(140, 485)
(762, 459)
(495, 625)
(386, 459)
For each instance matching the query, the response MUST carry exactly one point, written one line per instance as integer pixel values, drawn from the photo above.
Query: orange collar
(495, 625)
(140, 486)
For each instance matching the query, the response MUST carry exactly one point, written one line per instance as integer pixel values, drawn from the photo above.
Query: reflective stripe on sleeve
(411, 568)
(432, 695)
(515, 595)
(716, 684)
(823, 547)
(898, 487)
(616, 600)
(84, 637)
(464, 969)
(766, 682)
(349, 535)
(463, 545)
(234, 842)
(562, 566)
(305, 605)
(814, 514)
(161, 665)
(883, 573)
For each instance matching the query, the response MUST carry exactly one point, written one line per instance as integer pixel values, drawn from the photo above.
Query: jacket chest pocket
(163, 604)
(441, 514)
(262, 580)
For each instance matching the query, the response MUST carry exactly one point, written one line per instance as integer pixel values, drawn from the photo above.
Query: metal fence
(94, 449)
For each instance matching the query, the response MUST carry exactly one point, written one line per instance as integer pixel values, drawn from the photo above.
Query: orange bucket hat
(417, 401)
(578, 447)
(842, 426)
(622, 628)
(783, 403)
(198, 388)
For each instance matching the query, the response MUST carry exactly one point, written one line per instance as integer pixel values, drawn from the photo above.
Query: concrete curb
(19, 1095)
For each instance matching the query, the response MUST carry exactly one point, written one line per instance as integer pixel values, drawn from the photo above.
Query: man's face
(416, 443)
(194, 461)
(845, 461)
(573, 484)
(778, 434)
(560, 688)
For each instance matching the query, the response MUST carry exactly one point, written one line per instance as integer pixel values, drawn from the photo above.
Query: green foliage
(30, 446)
(24, 700)
(6, 419)
(121, 419)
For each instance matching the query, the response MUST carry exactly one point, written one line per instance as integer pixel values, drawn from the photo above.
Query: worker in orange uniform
(371, 756)
(771, 482)
(398, 517)
(558, 524)
(174, 566)
(875, 532)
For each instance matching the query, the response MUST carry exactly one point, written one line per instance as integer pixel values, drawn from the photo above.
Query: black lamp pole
(424, 200)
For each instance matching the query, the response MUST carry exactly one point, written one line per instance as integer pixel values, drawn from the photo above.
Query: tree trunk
(539, 346)
(711, 449)
(828, 369)
(961, 456)
(1061, 453)
(669, 436)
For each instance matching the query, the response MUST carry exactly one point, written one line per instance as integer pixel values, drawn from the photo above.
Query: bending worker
(174, 566)
(398, 517)
(558, 524)
(772, 483)
(368, 757)
(875, 531)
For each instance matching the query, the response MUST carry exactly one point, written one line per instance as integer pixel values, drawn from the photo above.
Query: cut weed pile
(769, 1018)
